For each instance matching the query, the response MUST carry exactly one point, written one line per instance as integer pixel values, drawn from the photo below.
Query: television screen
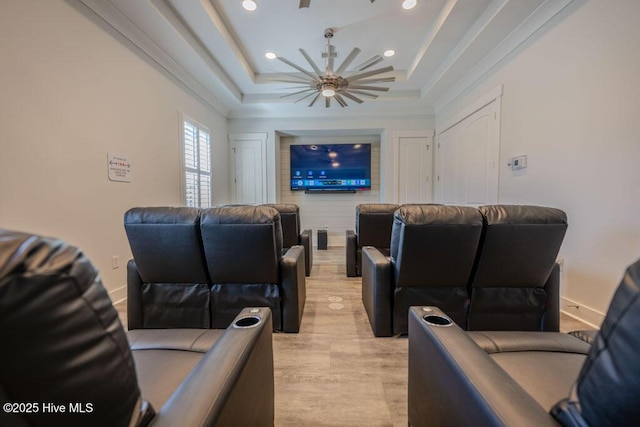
(331, 167)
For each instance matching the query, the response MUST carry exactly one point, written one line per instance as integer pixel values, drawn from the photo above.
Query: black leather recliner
(373, 228)
(516, 282)
(63, 346)
(433, 249)
(196, 268)
(511, 378)
(167, 279)
(243, 252)
(291, 234)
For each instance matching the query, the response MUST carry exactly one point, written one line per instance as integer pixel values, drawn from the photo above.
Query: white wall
(70, 93)
(383, 126)
(335, 211)
(571, 102)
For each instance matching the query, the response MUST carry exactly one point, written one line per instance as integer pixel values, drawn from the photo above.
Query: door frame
(234, 138)
(397, 135)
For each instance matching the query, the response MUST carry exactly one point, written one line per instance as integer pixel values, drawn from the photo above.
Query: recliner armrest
(134, 295)
(237, 372)
(452, 381)
(377, 291)
(293, 287)
(306, 240)
(352, 249)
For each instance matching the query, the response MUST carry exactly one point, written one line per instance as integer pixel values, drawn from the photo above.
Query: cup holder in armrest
(437, 320)
(247, 322)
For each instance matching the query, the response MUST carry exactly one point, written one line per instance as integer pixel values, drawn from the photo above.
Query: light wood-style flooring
(334, 372)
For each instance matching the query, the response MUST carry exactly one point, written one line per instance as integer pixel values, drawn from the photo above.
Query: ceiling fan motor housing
(339, 83)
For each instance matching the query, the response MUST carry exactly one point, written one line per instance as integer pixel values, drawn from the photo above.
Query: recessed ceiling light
(389, 53)
(270, 55)
(409, 4)
(249, 5)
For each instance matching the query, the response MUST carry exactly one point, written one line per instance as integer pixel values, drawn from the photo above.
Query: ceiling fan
(336, 84)
(306, 3)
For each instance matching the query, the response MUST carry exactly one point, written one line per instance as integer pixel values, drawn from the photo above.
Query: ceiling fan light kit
(338, 84)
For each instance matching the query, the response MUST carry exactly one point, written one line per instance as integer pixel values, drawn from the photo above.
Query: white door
(414, 169)
(467, 160)
(448, 188)
(249, 176)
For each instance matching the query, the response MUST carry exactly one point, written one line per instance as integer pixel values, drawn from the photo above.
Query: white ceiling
(216, 49)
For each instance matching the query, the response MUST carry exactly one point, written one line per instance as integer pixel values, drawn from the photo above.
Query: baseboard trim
(583, 313)
(118, 295)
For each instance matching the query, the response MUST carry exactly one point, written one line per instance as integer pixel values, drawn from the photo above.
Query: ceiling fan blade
(309, 83)
(340, 100)
(310, 61)
(298, 92)
(374, 88)
(297, 67)
(363, 93)
(314, 100)
(348, 60)
(352, 97)
(378, 80)
(304, 3)
(303, 98)
(327, 102)
(297, 87)
(370, 73)
(298, 76)
(369, 63)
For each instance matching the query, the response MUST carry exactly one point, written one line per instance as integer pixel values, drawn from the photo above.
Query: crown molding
(534, 23)
(105, 14)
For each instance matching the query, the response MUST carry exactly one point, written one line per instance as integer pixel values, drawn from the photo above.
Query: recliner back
(169, 257)
(607, 389)
(290, 222)
(62, 340)
(374, 222)
(440, 240)
(242, 244)
(517, 254)
(243, 247)
(433, 249)
(165, 243)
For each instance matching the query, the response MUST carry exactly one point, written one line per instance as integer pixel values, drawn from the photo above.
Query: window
(197, 164)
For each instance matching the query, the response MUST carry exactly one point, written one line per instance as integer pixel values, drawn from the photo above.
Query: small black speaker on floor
(322, 239)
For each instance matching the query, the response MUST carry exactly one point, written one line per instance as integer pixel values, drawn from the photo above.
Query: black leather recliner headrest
(522, 214)
(62, 341)
(434, 245)
(165, 243)
(436, 215)
(520, 245)
(242, 244)
(284, 207)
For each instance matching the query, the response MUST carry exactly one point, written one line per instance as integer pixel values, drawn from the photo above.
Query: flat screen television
(333, 167)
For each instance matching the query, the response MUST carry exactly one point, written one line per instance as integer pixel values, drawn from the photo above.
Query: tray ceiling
(216, 49)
